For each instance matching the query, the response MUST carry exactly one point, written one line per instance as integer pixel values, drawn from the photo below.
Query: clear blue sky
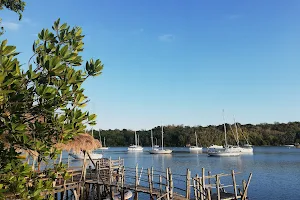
(180, 62)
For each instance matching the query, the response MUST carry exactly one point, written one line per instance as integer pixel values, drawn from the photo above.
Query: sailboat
(152, 145)
(246, 148)
(195, 148)
(104, 147)
(136, 146)
(162, 150)
(156, 146)
(228, 150)
(81, 155)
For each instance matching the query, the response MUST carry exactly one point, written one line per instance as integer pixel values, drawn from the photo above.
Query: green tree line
(180, 135)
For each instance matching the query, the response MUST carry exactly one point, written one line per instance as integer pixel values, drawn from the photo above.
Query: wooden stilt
(246, 188)
(188, 182)
(171, 183)
(218, 187)
(234, 184)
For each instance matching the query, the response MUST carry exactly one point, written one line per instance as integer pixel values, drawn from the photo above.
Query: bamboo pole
(246, 188)
(188, 182)
(234, 184)
(218, 187)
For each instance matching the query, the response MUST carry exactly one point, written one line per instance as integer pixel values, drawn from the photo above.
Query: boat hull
(223, 154)
(160, 151)
(103, 148)
(194, 148)
(135, 148)
(94, 156)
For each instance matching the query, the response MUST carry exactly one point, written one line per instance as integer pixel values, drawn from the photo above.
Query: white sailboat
(81, 155)
(227, 151)
(246, 148)
(156, 146)
(104, 147)
(195, 148)
(152, 145)
(136, 146)
(162, 150)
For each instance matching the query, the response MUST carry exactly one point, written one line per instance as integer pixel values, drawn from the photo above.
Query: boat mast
(225, 130)
(138, 140)
(100, 136)
(104, 142)
(237, 134)
(151, 138)
(196, 139)
(162, 137)
(135, 138)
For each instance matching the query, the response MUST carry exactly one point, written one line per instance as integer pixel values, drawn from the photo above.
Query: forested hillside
(179, 135)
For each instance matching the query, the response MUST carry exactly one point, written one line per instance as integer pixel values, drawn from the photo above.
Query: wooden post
(234, 184)
(218, 187)
(208, 192)
(160, 184)
(110, 172)
(202, 190)
(152, 170)
(167, 183)
(203, 183)
(195, 188)
(150, 183)
(246, 188)
(198, 186)
(188, 182)
(171, 183)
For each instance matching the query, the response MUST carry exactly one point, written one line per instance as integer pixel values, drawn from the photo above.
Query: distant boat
(94, 156)
(195, 148)
(136, 146)
(162, 150)
(246, 148)
(156, 146)
(104, 147)
(228, 150)
(152, 145)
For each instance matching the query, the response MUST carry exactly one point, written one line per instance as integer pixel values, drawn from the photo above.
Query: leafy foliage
(13, 5)
(41, 106)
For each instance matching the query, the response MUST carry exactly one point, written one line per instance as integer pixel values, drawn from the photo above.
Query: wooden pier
(109, 179)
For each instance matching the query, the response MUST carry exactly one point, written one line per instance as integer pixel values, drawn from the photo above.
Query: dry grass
(82, 142)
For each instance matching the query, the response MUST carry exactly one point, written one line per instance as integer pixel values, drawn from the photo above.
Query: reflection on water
(275, 170)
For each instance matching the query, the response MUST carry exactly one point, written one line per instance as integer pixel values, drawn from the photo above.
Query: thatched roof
(82, 142)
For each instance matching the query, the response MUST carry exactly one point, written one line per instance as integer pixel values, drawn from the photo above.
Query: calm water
(276, 170)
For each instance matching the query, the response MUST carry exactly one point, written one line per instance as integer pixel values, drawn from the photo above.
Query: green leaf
(8, 50)
(92, 117)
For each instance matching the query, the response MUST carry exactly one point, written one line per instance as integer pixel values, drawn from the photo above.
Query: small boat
(136, 146)
(94, 156)
(247, 148)
(212, 147)
(156, 146)
(227, 150)
(195, 148)
(104, 147)
(162, 150)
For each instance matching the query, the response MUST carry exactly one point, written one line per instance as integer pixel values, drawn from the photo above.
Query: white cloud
(166, 37)
(11, 26)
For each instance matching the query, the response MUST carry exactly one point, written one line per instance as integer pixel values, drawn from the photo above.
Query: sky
(179, 62)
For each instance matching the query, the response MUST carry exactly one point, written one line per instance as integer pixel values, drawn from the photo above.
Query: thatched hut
(80, 143)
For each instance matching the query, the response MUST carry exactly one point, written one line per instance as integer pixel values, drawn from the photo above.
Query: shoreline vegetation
(263, 134)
